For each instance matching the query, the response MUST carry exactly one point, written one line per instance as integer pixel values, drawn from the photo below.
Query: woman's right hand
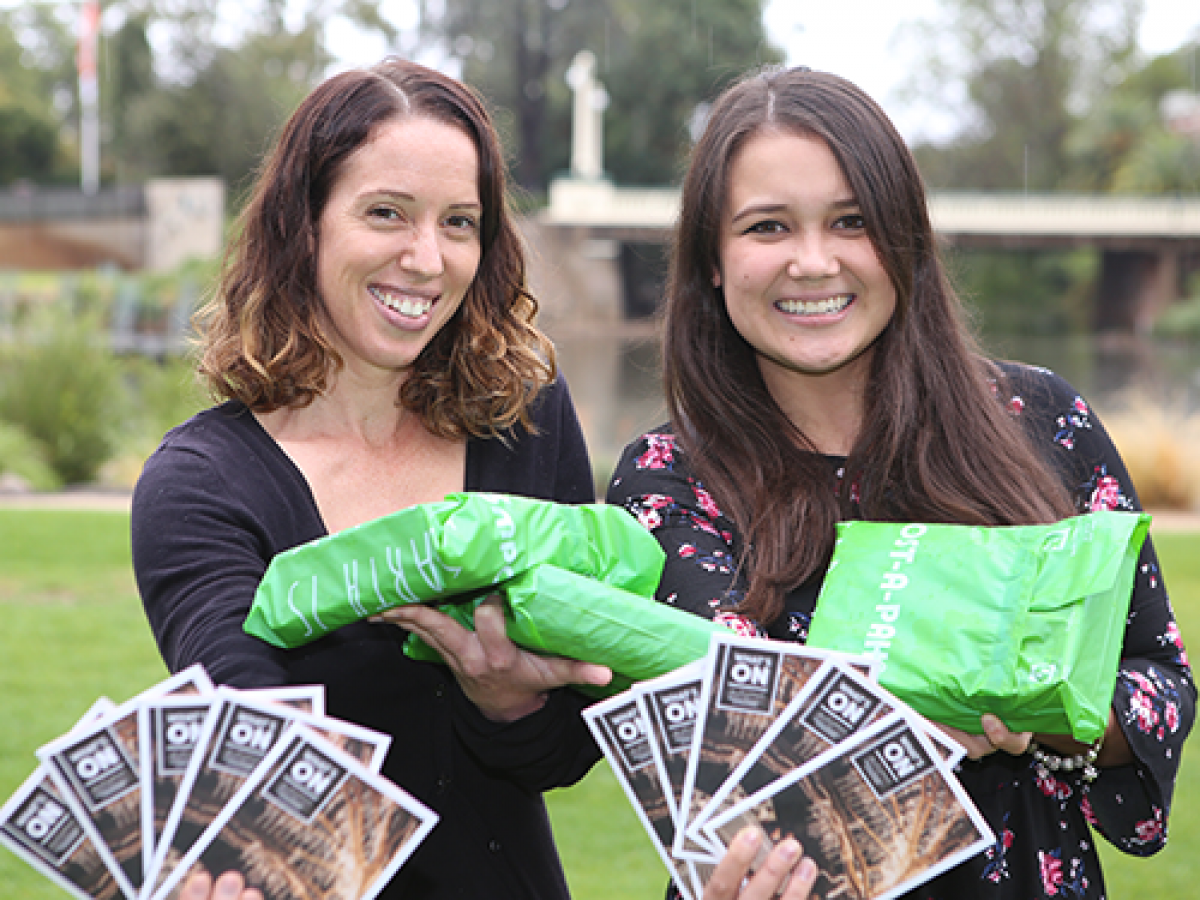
(785, 859)
(230, 886)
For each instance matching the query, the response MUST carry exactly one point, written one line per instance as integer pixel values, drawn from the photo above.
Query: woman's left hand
(504, 681)
(996, 736)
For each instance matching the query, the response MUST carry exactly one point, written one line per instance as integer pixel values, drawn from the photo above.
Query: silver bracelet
(1048, 762)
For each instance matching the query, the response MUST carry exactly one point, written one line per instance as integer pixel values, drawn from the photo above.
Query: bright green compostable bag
(1025, 622)
(550, 610)
(578, 581)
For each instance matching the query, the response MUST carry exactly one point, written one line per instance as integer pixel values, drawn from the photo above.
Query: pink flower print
(1141, 681)
(704, 498)
(660, 452)
(1016, 405)
(736, 623)
(650, 519)
(687, 551)
(1052, 874)
(1081, 406)
(1149, 830)
(1053, 787)
(1171, 715)
(1174, 637)
(1143, 710)
(1085, 805)
(1107, 494)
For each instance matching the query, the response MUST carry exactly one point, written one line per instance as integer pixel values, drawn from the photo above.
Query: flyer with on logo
(311, 821)
(834, 704)
(747, 684)
(244, 727)
(879, 813)
(622, 728)
(672, 704)
(96, 767)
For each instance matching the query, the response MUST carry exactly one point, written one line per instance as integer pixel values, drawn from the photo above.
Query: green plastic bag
(1025, 622)
(465, 545)
(549, 610)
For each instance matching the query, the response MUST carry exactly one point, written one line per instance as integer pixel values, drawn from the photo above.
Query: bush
(1158, 439)
(62, 388)
(1181, 320)
(22, 456)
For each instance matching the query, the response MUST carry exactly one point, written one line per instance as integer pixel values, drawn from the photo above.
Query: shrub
(61, 386)
(1158, 440)
(22, 456)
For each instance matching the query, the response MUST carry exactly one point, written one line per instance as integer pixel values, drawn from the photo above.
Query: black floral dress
(1044, 825)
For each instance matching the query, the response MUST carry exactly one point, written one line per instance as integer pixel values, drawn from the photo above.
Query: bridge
(1148, 245)
(153, 226)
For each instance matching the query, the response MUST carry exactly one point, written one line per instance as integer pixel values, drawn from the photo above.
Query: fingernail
(807, 870)
(748, 838)
(790, 849)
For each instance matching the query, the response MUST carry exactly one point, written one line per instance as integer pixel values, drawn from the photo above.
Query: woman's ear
(716, 279)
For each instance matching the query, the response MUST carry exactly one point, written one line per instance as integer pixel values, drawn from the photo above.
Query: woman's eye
(768, 226)
(854, 222)
(387, 213)
(462, 223)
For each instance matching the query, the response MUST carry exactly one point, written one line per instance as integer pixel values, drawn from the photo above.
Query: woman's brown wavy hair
(935, 443)
(264, 339)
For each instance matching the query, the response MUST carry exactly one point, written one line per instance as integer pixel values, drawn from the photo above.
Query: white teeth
(829, 305)
(410, 307)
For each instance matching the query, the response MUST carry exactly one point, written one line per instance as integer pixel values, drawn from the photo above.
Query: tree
(31, 145)
(1021, 73)
(1125, 144)
(202, 98)
(517, 53)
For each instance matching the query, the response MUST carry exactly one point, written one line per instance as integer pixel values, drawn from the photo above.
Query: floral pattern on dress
(1069, 423)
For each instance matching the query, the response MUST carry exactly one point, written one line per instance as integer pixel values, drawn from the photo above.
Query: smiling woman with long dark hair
(817, 368)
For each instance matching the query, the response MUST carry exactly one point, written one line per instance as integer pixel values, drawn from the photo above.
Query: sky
(863, 40)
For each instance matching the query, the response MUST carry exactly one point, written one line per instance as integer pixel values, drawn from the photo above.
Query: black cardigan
(219, 498)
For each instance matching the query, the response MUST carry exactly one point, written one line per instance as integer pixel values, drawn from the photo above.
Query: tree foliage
(187, 87)
(1020, 75)
(657, 61)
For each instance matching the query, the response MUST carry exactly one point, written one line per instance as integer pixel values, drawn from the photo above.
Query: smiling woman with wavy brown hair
(373, 340)
(264, 331)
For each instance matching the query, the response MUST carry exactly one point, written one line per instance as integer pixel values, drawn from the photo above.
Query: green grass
(72, 630)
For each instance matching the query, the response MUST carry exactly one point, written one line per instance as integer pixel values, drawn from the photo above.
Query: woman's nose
(814, 257)
(423, 252)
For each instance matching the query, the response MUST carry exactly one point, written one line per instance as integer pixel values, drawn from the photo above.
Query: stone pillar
(1135, 287)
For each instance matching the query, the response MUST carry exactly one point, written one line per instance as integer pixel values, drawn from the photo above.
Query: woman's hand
(1114, 748)
(504, 681)
(230, 886)
(996, 736)
(783, 861)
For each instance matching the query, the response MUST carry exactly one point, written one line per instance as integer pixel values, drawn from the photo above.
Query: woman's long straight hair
(936, 445)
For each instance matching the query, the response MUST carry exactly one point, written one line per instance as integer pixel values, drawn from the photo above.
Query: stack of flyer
(796, 742)
(189, 776)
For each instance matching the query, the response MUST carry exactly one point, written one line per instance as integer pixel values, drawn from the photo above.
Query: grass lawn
(73, 631)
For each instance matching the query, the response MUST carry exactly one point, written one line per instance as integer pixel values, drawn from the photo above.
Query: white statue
(587, 125)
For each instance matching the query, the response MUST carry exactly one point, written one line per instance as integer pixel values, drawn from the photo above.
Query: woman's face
(802, 282)
(399, 242)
